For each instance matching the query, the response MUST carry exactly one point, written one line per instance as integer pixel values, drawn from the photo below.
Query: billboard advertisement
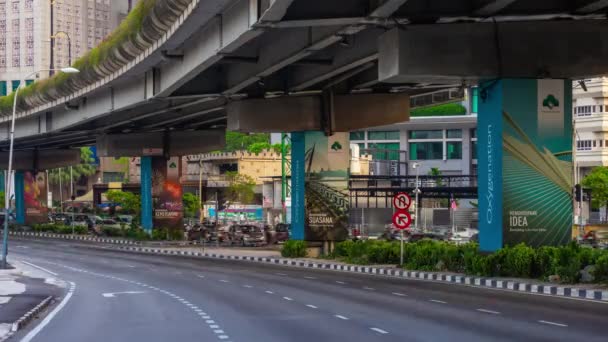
(166, 193)
(35, 192)
(327, 159)
(525, 168)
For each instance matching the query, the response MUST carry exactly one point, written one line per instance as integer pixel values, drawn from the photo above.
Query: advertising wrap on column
(35, 192)
(525, 168)
(166, 193)
(327, 161)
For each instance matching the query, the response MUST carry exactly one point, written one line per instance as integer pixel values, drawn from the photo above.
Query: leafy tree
(2, 199)
(241, 188)
(128, 201)
(597, 181)
(236, 141)
(258, 147)
(192, 204)
(85, 168)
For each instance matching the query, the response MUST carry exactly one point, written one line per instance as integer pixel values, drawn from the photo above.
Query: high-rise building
(25, 34)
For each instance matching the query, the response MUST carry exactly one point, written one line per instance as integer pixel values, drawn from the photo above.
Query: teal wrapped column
(298, 179)
(146, 193)
(19, 197)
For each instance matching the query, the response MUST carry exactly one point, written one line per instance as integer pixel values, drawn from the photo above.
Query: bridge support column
(298, 179)
(525, 178)
(20, 197)
(146, 193)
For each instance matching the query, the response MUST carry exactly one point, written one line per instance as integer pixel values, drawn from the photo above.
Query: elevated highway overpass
(198, 67)
(198, 58)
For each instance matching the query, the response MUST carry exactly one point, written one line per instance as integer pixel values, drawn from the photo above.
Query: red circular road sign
(402, 201)
(402, 219)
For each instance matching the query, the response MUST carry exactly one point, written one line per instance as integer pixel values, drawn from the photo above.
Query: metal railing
(365, 182)
(437, 97)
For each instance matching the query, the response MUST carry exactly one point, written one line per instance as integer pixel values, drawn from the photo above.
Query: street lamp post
(581, 229)
(3, 264)
(416, 166)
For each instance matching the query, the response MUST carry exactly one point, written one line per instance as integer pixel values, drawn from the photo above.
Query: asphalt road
(182, 299)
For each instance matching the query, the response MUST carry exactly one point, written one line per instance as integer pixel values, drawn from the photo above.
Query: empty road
(116, 296)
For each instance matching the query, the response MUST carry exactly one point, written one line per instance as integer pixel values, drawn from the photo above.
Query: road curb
(76, 238)
(484, 282)
(26, 318)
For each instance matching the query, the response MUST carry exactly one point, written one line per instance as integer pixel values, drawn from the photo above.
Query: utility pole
(52, 59)
(200, 188)
(60, 191)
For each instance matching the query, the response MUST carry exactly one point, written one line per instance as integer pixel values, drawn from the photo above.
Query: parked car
(58, 218)
(278, 234)
(77, 220)
(463, 235)
(251, 235)
(109, 223)
(125, 219)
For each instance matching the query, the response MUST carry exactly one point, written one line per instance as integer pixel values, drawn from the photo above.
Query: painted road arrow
(113, 294)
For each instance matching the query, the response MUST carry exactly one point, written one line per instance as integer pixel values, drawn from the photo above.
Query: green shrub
(519, 261)
(294, 249)
(567, 263)
(544, 266)
(58, 228)
(446, 109)
(159, 234)
(600, 272)
(112, 231)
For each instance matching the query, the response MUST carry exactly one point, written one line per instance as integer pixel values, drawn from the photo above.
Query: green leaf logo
(550, 101)
(172, 165)
(336, 146)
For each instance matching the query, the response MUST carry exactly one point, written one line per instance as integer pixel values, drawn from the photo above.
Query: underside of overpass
(227, 52)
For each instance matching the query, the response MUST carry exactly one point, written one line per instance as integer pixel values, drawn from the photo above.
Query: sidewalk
(22, 290)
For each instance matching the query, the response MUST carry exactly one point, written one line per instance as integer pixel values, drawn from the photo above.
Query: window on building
(601, 142)
(28, 82)
(594, 143)
(435, 134)
(15, 84)
(383, 135)
(3, 90)
(426, 150)
(474, 149)
(359, 135)
(454, 150)
(583, 145)
(385, 151)
(15, 6)
(113, 177)
(454, 133)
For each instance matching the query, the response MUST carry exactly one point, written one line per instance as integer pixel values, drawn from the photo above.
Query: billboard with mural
(35, 192)
(167, 193)
(327, 159)
(525, 168)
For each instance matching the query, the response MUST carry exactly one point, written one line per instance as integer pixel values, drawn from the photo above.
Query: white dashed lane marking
(247, 286)
(399, 294)
(437, 301)
(380, 331)
(224, 281)
(369, 288)
(340, 282)
(341, 317)
(307, 277)
(311, 306)
(553, 323)
(489, 311)
(287, 298)
(269, 292)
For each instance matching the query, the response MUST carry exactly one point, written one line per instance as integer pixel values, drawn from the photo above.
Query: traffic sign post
(402, 201)
(402, 218)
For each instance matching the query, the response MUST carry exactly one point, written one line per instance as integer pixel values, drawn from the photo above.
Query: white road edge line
(553, 323)
(489, 311)
(341, 317)
(379, 330)
(50, 316)
(40, 268)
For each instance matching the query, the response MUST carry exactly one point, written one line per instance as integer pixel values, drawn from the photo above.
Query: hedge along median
(520, 261)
